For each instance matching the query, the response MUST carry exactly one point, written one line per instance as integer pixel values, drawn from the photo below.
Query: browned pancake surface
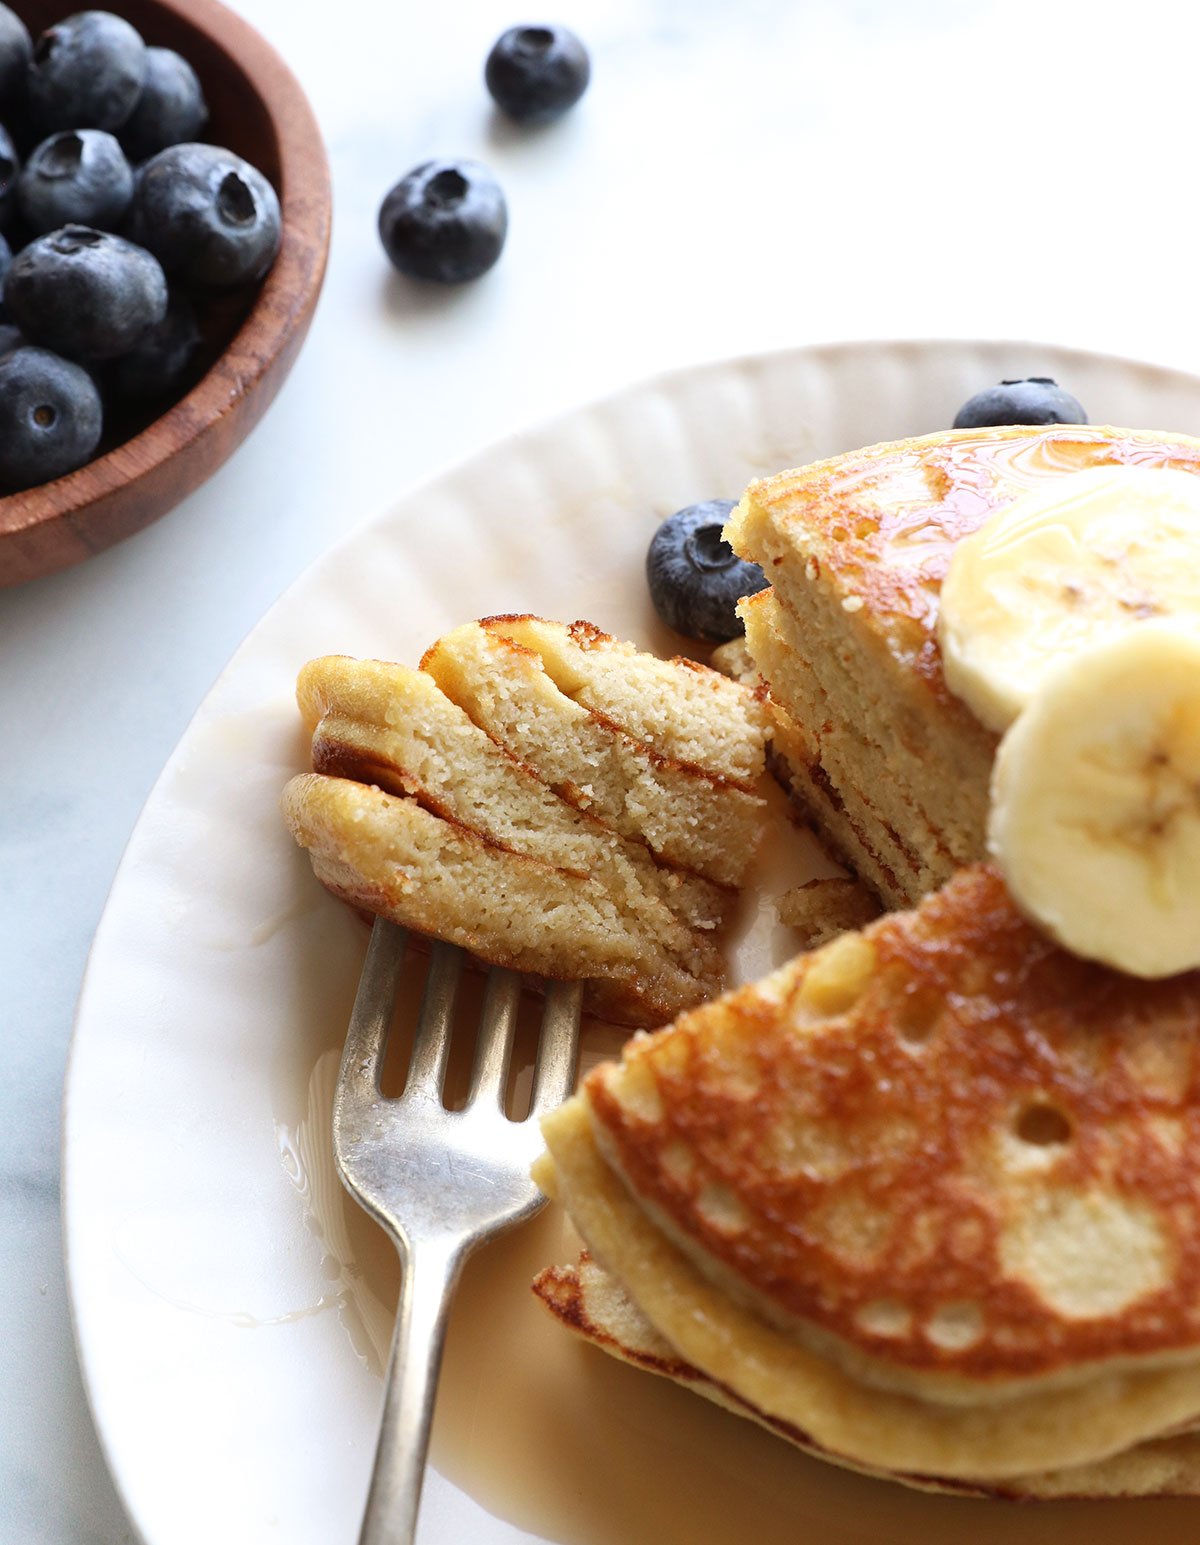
(881, 523)
(978, 1156)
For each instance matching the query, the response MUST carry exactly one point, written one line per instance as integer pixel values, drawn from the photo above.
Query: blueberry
(78, 177)
(160, 360)
(5, 261)
(170, 110)
(445, 221)
(86, 73)
(16, 49)
(1037, 400)
(695, 578)
(85, 293)
(10, 338)
(10, 169)
(536, 73)
(208, 216)
(50, 417)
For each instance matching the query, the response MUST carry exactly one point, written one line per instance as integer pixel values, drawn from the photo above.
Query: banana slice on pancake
(1095, 818)
(1060, 569)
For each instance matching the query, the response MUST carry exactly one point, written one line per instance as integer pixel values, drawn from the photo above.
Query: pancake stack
(891, 764)
(545, 796)
(925, 1201)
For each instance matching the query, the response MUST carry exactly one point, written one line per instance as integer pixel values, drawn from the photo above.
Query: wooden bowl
(257, 109)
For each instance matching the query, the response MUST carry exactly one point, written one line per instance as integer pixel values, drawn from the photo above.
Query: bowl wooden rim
(66, 521)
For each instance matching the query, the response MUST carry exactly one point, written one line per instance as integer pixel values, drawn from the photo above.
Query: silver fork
(439, 1181)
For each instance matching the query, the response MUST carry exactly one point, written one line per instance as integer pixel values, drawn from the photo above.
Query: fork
(439, 1181)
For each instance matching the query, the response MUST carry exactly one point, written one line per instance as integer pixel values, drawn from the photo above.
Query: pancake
(875, 821)
(393, 727)
(589, 1302)
(670, 757)
(929, 1195)
(892, 765)
(417, 812)
(677, 704)
(393, 858)
(820, 910)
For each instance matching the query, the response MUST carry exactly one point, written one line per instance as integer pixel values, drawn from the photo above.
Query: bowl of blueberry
(164, 227)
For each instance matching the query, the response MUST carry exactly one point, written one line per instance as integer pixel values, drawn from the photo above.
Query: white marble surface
(739, 177)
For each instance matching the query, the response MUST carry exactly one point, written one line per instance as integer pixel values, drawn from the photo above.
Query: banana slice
(1095, 818)
(1073, 561)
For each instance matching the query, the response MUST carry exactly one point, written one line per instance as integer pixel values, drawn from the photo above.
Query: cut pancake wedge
(678, 704)
(392, 857)
(670, 792)
(418, 809)
(392, 726)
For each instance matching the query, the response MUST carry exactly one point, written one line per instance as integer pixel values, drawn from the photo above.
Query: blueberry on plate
(536, 73)
(209, 217)
(76, 177)
(160, 360)
(50, 417)
(695, 578)
(1036, 400)
(84, 293)
(171, 108)
(445, 221)
(16, 49)
(86, 73)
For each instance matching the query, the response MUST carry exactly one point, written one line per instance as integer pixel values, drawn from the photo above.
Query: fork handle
(430, 1269)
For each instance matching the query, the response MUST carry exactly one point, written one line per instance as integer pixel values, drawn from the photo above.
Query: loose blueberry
(85, 293)
(161, 359)
(10, 169)
(50, 417)
(695, 577)
(86, 72)
(16, 49)
(445, 221)
(10, 338)
(78, 177)
(1036, 400)
(208, 216)
(170, 110)
(536, 73)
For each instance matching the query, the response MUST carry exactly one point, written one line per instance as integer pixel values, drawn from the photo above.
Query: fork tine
(431, 1045)
(366, 1036)
(493, 1048)
(558, 1051)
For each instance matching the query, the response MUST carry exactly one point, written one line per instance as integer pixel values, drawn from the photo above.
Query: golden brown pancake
(889, 762)
(930, 1195)
(593, 1305)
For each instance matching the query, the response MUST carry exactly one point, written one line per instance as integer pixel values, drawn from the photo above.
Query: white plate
(231, 1308)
